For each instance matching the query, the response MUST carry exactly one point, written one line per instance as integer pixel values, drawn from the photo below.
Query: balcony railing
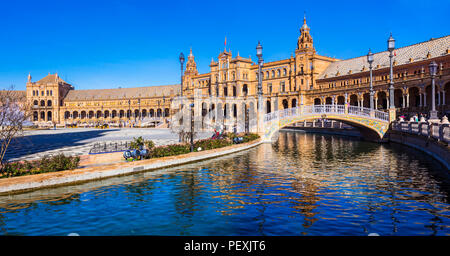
(438, 130)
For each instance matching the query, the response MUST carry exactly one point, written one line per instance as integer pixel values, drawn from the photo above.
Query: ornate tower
(304, 56)
(191, 66)
(305, 41)
(189, 73)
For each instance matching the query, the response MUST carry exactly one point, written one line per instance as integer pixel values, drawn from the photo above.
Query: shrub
(149, 144)
(169, 150)
(46, 164)
(207, 144)
(137, 143)
(184, 148)
(250, 136)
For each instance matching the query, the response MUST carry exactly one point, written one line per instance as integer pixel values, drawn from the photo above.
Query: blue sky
(107, 44)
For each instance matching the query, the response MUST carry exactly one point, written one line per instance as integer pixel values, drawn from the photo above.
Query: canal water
(302, 184)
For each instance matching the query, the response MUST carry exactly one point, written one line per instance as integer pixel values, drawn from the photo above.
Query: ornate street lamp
(260, 64)
(433, 70)
(139, 104)
(370, 60)
(192, 127)
(391, 47)
(260, 93)
(129, 110)
(182, 66)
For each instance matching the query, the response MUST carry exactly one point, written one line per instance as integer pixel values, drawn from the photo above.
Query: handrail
(327, 109)
(438, 130)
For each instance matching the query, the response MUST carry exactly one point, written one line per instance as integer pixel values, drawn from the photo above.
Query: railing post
(441, 131)
(392, 114)
(346, 108)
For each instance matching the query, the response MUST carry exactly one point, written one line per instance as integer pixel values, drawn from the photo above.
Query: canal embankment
(102, 166)
(437, 149)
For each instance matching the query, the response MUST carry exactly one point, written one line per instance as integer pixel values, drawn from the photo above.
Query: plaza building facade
(305, 78)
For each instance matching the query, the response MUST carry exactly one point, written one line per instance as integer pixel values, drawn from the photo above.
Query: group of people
(415, 116)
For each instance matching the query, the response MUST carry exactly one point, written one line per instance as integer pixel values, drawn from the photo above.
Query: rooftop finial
(29, 77)
(304, 26)
(190, 52)
(225, 43)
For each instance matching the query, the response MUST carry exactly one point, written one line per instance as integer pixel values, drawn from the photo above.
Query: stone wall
(429, 145)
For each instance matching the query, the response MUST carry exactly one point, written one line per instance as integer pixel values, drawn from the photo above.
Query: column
(443, 97)
(407, 100)
(424, 99)
(438, 103)
(403, 101)
(420, 100)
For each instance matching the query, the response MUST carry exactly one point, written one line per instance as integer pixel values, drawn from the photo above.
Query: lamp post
(181, 85)
(129, 111)
(182, 66)
(391, 47)
(433, 70)
(139, 105)
(260, 96)
(192, 127)
(370, 60)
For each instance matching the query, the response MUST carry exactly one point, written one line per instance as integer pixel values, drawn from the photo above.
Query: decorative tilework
(378, 126)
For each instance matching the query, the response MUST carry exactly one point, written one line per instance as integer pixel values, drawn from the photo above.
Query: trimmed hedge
(46, 164)
(205, 144)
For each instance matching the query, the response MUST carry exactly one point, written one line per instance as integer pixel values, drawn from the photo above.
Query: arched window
(35, 103)
(284, 72)
(49, 103)
(42, 103)
(245, 90)
(278, 73)
(267, 74)
(273, 73)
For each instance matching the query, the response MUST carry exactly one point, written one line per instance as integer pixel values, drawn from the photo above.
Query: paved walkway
(78, 141)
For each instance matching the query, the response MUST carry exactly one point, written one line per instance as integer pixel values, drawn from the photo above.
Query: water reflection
(304, 184)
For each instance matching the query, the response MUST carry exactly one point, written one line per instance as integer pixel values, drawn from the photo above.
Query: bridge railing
(327, 109)
(439, 130)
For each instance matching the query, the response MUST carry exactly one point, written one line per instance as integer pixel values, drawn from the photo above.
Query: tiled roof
(50, 79)
(404, 55)
(123, 93)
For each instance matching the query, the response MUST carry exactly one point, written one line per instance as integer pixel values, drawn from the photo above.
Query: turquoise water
(304, 184)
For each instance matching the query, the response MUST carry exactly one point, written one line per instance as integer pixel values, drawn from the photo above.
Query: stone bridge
(373, 124)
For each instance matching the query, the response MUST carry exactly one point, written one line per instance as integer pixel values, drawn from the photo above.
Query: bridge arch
(372, 126)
